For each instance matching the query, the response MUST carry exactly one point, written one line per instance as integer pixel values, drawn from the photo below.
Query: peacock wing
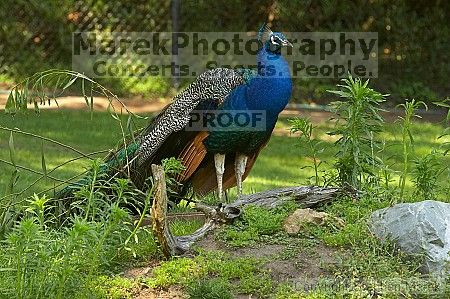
(212, 85)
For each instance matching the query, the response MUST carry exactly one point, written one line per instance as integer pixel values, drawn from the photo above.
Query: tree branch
(304, 196)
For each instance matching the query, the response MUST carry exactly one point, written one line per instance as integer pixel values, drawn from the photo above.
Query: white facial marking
(272, 40)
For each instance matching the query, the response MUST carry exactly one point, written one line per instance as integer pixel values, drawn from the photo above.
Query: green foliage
(358, 122)
(38, 261)
(414, 90)
(176, 271)
(5, 79)
(215, 288)
(172, 167)
(410, 109)
(413, 33)
(425, 175)
(146, 86)
(305, 127)
(260, 285)
(195, 274)
(113, 287)
(355, 230)
(38, 207)
(254, 223)
(446, 144)
(184, 227)
(47, 254)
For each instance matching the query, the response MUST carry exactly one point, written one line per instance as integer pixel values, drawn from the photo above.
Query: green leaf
(56, 87)
(112, 113)
(74, 78)
(10, 106)
(411, 138)
(12, 151)
(7, 269)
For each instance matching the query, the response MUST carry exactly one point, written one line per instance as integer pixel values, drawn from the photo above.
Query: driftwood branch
(305, 196)
(159, 214)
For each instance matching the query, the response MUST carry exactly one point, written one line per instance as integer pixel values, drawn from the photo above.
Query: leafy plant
(425, 176)
(305, 127)
(41, 258)
(358, 121)
(410, 108)
(35, 90)
(38, 207)
(172, 167)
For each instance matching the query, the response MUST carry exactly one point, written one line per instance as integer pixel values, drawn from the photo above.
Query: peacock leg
(219, 162)
(239, 165)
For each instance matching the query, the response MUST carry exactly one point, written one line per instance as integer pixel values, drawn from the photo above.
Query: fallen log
(304, 196)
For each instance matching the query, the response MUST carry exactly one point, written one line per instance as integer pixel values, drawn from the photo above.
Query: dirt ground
(306, 264)
(150, 106)
(302, 268)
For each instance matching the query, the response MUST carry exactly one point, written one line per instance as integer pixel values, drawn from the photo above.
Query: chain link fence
(413, 37)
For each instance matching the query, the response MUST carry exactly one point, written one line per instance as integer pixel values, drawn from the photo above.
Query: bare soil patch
(302, 269)
(307, 264)
(170, 293)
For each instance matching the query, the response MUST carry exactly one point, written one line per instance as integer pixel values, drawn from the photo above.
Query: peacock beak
(287, 43)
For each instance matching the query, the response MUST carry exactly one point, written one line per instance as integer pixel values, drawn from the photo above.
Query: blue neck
(271, 89)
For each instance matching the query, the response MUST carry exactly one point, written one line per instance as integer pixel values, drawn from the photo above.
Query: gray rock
(293, 224)
(418, 228)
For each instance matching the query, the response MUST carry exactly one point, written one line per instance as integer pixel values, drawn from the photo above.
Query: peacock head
(272, 41)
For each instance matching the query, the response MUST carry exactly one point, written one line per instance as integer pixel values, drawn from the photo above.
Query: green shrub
(176, 271)
(413, 90)
(45, 257)
(410, 108)
(425, 176)
(358, 121)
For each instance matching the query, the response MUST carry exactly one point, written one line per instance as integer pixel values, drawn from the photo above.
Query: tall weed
(358, 120)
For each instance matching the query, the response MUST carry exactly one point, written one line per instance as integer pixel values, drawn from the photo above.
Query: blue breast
(263, 97)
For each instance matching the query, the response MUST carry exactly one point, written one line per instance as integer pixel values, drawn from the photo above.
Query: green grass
(255, 223)
(247, 273)
(185, 227)
(281, 164)
(74, 128)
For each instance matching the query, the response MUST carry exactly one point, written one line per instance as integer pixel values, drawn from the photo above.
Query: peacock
(215, 158)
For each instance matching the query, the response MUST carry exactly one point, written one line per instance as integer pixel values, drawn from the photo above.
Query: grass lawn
(252, 256)
(281, 163)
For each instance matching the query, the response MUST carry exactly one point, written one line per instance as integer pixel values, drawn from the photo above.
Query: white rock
(418, 228)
